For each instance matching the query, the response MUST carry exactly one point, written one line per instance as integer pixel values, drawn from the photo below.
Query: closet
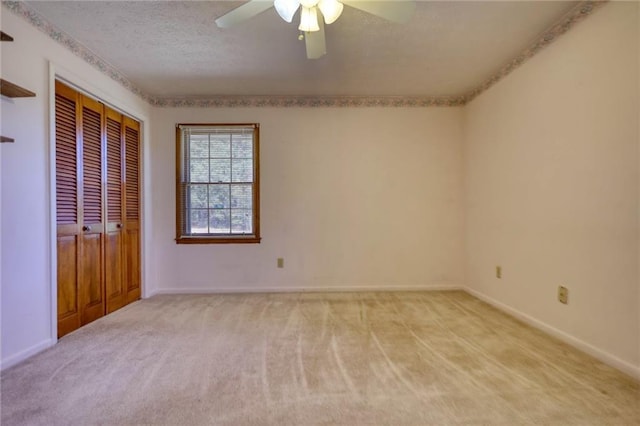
(97, 208)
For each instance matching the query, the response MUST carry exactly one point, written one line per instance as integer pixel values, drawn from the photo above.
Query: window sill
(250, 239)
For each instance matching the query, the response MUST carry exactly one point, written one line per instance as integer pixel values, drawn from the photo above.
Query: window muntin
(217, 183)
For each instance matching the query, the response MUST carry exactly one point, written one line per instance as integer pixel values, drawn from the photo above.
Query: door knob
(119, 226)
(86, 228)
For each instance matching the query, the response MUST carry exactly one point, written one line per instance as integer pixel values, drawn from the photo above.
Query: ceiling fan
(315, 13)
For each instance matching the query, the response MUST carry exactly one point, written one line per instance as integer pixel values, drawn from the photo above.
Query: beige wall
(551, 176)
(351, 198)
(375, 198)
(26, 232)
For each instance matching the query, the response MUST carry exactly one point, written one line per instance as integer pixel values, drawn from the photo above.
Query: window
(217, 183)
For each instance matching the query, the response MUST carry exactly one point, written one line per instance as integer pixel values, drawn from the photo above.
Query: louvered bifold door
(92, 304)
(68, 207)
(115, 272)
(132, 208)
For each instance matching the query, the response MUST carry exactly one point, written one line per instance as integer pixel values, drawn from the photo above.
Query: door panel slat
(114, 171)
(91, 166)
(131, 177)
(66, 161)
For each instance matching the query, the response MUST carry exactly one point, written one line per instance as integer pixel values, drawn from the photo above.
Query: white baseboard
(149, 293)
(581, 345)
(323, 289)
(27, 353)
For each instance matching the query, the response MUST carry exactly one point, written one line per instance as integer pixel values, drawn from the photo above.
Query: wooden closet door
(68, 207)
(115, 273)
(97, 209)
(132, 208)
(91, 291)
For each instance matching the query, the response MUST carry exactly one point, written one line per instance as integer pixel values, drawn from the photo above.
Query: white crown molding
(574, 16)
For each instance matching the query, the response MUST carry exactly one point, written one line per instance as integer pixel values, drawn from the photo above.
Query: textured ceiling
(173, 48)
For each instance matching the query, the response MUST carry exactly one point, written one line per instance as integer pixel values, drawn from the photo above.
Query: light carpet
(414, 358)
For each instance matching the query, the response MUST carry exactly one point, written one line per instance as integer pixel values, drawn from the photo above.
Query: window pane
(198, 198)
(241, 197)
(242, 171)
(217, 168)
(199, 146)
(199, 170)
(220, 146)
(219, 197)
(242, 146)
(220, 170)
(219, 221)
(199, 222)
(241, 221)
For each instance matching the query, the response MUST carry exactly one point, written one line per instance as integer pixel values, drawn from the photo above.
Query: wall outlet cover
(563, 295)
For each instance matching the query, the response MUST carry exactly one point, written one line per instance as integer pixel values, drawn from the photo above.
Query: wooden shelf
(14, 91)
(11, 90)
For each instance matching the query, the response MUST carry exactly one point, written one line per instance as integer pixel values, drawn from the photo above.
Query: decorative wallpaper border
(574, 16)
(21, 9)
(308, 101)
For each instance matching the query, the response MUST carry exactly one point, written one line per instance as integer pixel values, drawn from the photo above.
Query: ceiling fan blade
(244, 12)
(399, 11)
(315, 42)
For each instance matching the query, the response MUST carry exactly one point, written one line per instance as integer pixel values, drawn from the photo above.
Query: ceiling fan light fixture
(309, 19)
(331, 10)
(286, 8)
(309, 3)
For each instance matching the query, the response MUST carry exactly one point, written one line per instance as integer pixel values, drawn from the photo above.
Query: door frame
(58, 72)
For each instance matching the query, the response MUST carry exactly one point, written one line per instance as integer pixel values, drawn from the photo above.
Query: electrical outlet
(280, 262)
(563, 295)
(498, 271)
